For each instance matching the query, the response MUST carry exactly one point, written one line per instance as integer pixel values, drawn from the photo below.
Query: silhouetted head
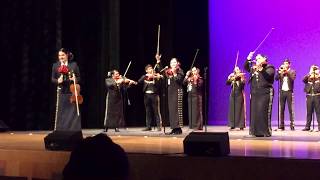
(97, 157)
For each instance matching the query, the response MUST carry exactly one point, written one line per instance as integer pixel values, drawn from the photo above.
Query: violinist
(67, 117)
(237, 107)
(286, 75)
(175, 76)
(312, 89)
(261, 89)
(114, 115)
(194, 83)
(151, 87)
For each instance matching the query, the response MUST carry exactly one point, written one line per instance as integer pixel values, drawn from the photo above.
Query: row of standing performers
(261, 78)
(172, 77)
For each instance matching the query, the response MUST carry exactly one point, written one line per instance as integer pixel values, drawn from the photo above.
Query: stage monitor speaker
(3, 126)
(207, 144)
(62, 140)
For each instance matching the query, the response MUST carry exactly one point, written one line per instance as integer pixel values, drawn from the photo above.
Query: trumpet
(281, 68)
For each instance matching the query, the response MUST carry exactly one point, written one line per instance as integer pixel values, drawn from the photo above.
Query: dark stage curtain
(28, 45)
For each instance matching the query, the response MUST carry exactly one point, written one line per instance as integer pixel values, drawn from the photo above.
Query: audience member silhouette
(97, 157)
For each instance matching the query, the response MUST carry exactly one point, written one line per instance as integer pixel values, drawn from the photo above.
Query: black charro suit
(286, 94)
(151, 100)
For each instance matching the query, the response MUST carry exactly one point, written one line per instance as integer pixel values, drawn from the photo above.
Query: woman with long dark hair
(64, 73)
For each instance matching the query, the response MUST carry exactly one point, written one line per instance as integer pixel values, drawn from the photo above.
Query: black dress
(261, 99)
(114, 104)
(175, 99)
(66, 112)
(195, 103)
(236, 115)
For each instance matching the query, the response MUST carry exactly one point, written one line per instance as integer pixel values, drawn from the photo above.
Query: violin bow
(158, 45)
(125, 73)
(194, 58)
(235, 65)
(264, 39)
(76, 93)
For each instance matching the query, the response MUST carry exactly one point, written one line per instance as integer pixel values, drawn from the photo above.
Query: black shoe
(241, 129)
(306, 129)
(116, 130)
(147, 129)
(259, 135)
(106, 129)
(292, 128)
(231, 128)
(178, 131)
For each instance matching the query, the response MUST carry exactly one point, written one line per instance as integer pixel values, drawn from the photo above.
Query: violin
(129, 81)
(236, 76)
(171, 71)
(75, 89)
(258, 68)
(194, 78)
(119, 79)
(151, 77)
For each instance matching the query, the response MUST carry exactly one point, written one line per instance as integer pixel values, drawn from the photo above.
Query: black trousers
(152, 106)
(313, 104)
(286, 96)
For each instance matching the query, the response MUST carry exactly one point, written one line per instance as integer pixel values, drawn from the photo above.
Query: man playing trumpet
(286, 76)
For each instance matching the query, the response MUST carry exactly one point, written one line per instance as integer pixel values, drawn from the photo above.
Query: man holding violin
(261, 84)
(151, 86)
(312, 89)
(286, 75)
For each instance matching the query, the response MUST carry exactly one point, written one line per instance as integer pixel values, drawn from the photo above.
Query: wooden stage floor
(23, 154)
(283, 144)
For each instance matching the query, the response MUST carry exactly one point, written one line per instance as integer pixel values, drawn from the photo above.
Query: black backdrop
(102, 35)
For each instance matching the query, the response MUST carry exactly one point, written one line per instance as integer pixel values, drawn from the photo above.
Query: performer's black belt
(149, 92)
(317, 94)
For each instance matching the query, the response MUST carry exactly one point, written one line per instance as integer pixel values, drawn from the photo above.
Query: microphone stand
(250, 107)
(279, 105)
(205, 98)
(57, 108)
(234, 104)
(313, 81)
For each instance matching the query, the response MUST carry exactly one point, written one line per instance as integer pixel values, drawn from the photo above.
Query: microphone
(164, 68)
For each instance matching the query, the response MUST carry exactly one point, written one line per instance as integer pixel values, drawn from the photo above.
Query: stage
(23, 153)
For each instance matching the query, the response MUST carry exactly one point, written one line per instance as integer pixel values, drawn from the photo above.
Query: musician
(114, 116)
(236, 113)
(175, 76)
(151, 85)
(312, 89)
(261, 81)
(286, 75)
(194, 83)
(67, 117)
